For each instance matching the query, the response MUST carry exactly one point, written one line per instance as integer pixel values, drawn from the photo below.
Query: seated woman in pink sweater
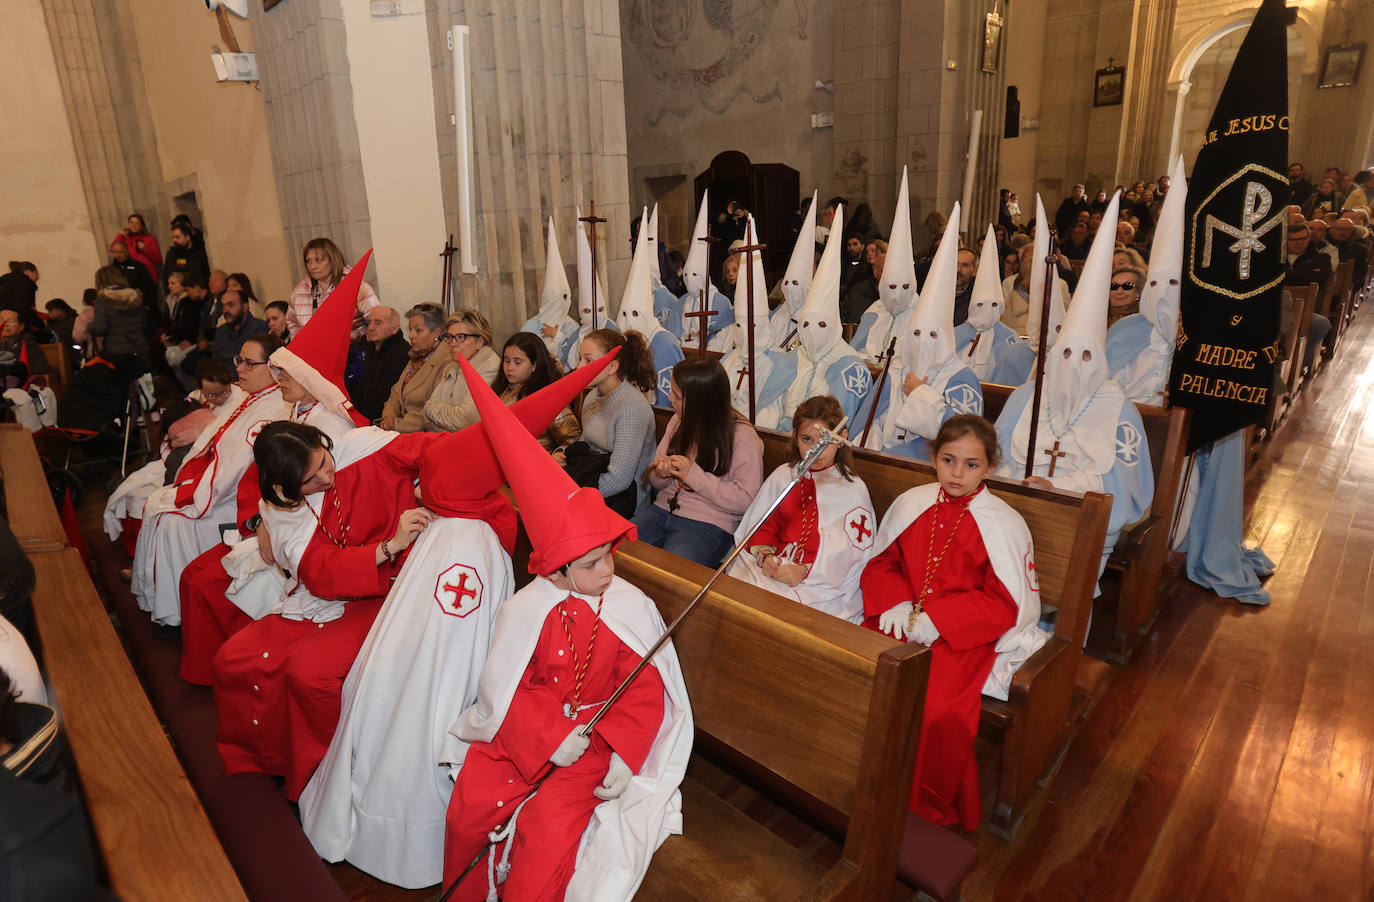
(706, 469)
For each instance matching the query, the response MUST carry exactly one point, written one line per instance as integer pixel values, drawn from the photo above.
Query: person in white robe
(667, 306)
(796, 281)
(1090, 437)
(896, 288)
(823, 364)
(927, 383)
(984, 343)
(183, 520)
(736, 360)
(637, 314)
(591, 298)
(696, 274)
(1058, 302)
(552, 323)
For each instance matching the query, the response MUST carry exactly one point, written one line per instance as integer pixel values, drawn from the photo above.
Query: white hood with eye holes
(637, 303)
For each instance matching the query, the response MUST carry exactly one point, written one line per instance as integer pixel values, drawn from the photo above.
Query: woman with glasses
(1124, 296)
(404, 410)
(182, 521)
(467, 334)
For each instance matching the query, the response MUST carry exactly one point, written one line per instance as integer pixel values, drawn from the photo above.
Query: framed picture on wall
(992, 42)
(1341, 66)
(1109, 85)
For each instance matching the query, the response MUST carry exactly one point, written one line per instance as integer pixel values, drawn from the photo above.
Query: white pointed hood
(818, 324)
(897, 287)
(796, 282)
(637, 303)
(556, 295)
(655, 274)
(696, 271)
(585, 278)
(927, 341)
(1037, 284)
(985, 304)
(1071, 379)
(761, 328)
(1159, 299)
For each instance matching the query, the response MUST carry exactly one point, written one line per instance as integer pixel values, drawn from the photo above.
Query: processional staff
(749, 302)
(1051, 259)
(592, 219)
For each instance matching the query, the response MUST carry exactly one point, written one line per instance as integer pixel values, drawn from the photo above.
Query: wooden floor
(1233, 758)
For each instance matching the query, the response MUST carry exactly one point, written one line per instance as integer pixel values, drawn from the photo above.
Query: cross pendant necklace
(1054, 454)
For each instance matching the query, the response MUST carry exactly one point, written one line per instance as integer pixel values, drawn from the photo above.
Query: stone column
(1145, 104)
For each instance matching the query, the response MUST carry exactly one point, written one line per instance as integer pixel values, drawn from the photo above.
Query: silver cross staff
(828, 437)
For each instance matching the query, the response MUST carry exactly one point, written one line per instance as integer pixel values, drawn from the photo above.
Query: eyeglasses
(1123, 286)
(455, 337)
(275, 370)
(216, 395)
(244, 361)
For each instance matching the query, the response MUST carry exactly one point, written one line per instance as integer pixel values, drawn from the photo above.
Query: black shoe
(167, 631)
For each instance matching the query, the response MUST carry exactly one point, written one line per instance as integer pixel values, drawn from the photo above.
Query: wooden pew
(1295, 348)
(1033, 727)
(59, 367)
(27, 498)
(1338, 309)
(1141, 550)
(828, 709)
(152, 832)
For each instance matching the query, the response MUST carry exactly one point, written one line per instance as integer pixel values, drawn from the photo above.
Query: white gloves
(893, 620)
(617, 779)
(571, 748)
(924, 632)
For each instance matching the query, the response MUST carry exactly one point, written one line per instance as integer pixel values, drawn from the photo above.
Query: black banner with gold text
(1234, 250)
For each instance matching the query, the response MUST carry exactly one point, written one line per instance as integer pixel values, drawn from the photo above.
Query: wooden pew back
(788, 687)
(1054, 518)
(27, 499)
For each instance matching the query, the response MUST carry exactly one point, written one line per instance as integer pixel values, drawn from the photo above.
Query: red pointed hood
(562, 520)
(318, 352)
(460, 475)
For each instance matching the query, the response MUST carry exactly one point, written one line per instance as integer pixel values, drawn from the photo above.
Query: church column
(548, 107)
(1144, 106)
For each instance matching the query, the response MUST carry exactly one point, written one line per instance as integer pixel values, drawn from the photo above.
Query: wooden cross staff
(701, 314)
(749, 304)
(592, 219)
(445, 290)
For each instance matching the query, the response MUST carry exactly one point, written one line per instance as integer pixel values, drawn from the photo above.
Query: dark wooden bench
(831, 710)
(1339, 304)
(1295, 348)
(1139, 555)
(32, 515)
(153, 835)
(1033, 726)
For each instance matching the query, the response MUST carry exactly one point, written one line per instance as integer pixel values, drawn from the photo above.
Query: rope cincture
(497, 873)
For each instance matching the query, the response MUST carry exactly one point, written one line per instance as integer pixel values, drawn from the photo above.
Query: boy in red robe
(561, 647)
(955, 570)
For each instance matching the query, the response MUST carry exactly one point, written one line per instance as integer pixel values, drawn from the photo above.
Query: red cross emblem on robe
(458, 590)
(859, 525)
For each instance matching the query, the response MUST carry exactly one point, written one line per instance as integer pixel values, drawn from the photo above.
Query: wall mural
(696, 48)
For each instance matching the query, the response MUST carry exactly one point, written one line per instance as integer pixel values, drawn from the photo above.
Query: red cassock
(278, 681)
(792, 528)
(972, 609)
(208, 617)
(498, 775)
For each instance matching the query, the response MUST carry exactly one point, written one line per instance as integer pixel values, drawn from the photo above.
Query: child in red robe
(561, 647)
(955, 570)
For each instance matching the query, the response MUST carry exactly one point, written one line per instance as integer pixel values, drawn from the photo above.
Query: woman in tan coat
(405, 409)
(450, 407)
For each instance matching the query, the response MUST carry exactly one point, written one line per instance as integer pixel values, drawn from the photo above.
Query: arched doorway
(768, 190)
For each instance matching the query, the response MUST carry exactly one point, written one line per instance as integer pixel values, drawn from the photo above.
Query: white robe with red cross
(379, 797)
(622, 835)
(174, 534)
(845, 519)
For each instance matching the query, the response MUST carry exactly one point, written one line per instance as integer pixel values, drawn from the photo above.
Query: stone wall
(705, 78)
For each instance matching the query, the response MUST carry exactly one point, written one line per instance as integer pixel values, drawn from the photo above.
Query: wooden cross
(701, 313)
(973, 345)
(743, 371)
(592, 219)
(1054, 454)
(749, 304)
(445, 291)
